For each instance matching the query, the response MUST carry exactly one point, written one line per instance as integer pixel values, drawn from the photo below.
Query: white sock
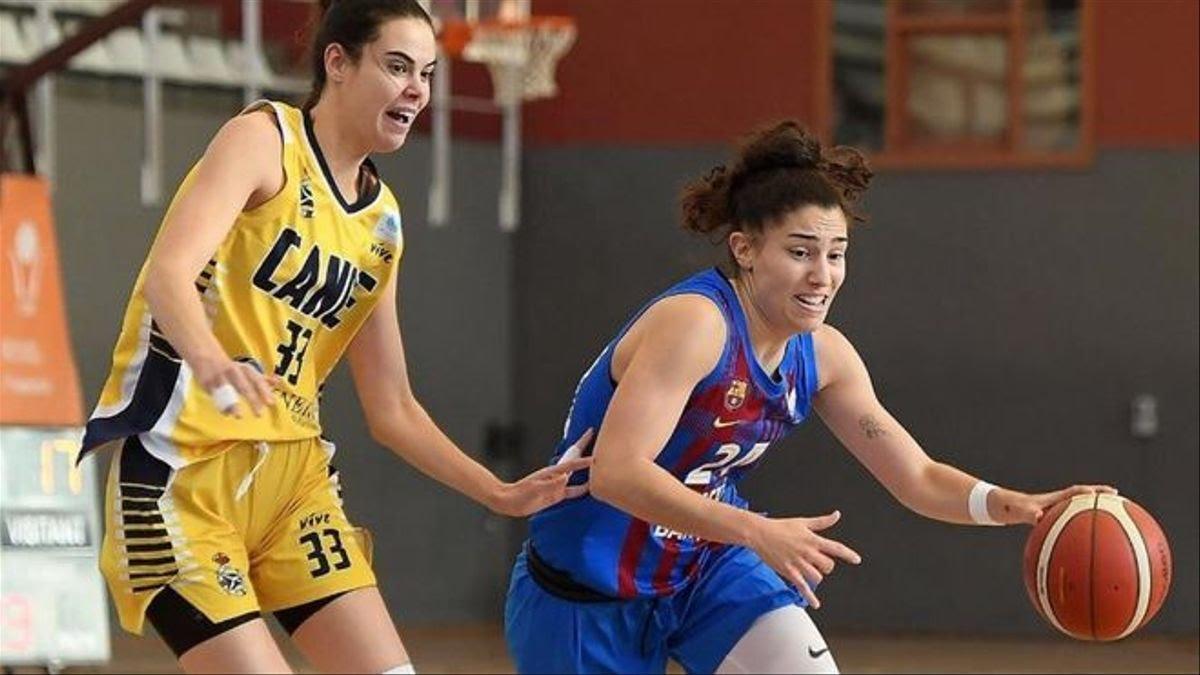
(406, 669)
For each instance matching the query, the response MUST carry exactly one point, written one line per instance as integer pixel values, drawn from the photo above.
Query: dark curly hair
(777, 170)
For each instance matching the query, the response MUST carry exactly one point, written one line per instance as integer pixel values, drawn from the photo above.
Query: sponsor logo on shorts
(228, 577)
(314, 519)
(817, 653)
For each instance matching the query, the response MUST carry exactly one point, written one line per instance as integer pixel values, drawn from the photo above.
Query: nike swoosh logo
(817, 653)
(719, 424)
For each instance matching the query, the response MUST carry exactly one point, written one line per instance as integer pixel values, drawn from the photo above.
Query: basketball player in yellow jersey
(278, 254)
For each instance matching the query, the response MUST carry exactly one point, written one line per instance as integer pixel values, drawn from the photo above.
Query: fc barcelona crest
(735, 396)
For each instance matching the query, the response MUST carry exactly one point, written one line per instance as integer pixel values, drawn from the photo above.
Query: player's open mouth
(404, 116)
(814, 303)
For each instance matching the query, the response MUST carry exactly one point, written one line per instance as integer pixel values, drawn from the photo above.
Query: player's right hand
(792, 547)
(229, 382)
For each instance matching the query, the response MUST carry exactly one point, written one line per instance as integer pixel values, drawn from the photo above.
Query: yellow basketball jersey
(286, 291)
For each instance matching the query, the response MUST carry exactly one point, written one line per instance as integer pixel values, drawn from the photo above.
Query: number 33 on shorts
(327, 553)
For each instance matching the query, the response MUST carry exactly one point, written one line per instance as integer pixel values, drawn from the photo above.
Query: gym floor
(480, 649)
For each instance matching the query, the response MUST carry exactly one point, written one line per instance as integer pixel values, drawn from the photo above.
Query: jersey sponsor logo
(321, 293)
(308, 205)
(817, 653)
(721, 424)
(382, 252)
(735, 396)
(303, 410)
(388, 228)
(314, 519)
(664, 532)
(229, 578)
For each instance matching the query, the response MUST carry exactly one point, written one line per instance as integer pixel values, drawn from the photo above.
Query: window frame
(899, 29)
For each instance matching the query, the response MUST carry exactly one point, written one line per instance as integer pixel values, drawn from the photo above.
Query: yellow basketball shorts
(257, 528)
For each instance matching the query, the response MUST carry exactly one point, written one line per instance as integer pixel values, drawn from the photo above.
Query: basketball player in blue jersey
(663, 558)
(278, 255)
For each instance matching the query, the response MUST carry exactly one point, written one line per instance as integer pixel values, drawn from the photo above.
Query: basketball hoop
(521, 55)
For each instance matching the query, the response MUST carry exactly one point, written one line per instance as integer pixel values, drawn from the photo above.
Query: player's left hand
(547, 486)
(1009, 507)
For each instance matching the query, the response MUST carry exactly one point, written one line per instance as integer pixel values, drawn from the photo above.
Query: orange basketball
(1097, 567)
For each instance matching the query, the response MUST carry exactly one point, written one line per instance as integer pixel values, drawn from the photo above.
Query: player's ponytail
(705, 202)
(352, 24)
(777, 170)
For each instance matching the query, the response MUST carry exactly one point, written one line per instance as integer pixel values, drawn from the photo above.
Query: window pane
(858, 76)
(957, 90)
(952, 7)
(1052, 75)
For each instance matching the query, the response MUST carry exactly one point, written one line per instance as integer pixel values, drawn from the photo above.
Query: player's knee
(784, 640)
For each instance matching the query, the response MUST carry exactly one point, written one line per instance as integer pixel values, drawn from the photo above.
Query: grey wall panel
(455, 300)
(1007, 317)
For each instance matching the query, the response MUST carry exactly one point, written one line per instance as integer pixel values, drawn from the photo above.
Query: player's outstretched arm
(848, 405)
(398, 420)
(677, 342)
(239, 169)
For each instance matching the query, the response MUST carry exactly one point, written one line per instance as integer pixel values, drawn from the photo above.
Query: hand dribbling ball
(1097, 567)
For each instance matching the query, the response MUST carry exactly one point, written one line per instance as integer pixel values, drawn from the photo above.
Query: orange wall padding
(1148, 69)
(39, 383)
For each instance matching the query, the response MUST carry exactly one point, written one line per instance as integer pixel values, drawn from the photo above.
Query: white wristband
(977, 503)
(225, 397)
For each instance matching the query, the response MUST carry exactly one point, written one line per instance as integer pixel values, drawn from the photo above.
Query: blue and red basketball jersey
(730, 419)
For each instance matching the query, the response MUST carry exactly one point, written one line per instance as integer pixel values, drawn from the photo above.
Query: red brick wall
(1148, 65)
(679, 71)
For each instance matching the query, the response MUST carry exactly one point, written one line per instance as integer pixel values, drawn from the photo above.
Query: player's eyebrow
(813, 237)
(408, 59)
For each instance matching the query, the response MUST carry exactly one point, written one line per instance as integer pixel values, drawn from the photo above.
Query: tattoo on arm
(871, 427)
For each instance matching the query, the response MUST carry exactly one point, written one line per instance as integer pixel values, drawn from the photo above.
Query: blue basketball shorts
(696, 626)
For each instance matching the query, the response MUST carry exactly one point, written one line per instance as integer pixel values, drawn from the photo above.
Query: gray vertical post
(510, 172)
(44, 163)
(252, 47)
(152, 126)
(440, 184)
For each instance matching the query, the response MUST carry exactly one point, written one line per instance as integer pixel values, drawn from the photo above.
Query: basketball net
(521, 55)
